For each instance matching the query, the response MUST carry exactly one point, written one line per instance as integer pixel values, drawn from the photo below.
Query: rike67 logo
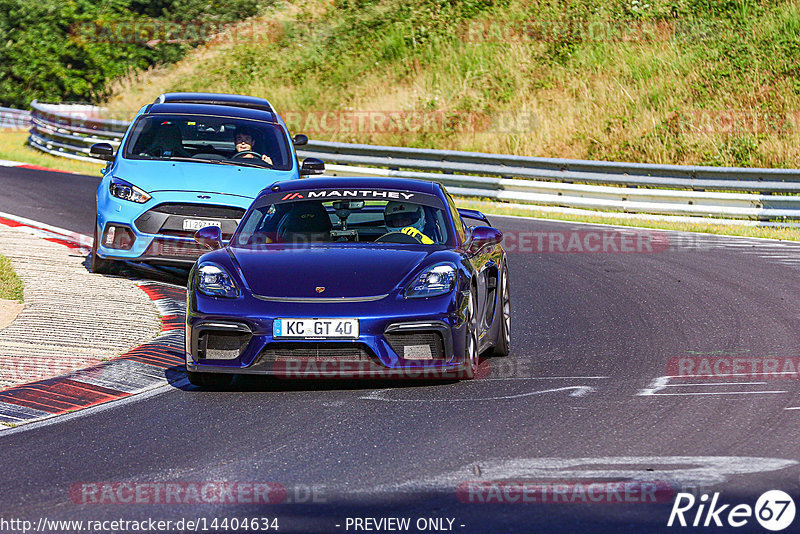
(774, 510)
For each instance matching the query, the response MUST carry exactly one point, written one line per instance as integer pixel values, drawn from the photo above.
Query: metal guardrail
(69, 131)
(14, 118)
(763, 194)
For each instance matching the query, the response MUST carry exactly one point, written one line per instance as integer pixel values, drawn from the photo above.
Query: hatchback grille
(416, 345)
(177, 250)
(168, 219)
(200, 210)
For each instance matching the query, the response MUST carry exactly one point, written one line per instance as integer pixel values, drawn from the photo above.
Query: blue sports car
(188, 161)
(348, 277)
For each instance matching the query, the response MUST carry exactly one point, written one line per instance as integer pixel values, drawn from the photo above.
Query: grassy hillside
(713, 82)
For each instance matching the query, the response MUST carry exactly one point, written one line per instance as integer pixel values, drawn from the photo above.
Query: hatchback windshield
(209, 139)
(404, 218)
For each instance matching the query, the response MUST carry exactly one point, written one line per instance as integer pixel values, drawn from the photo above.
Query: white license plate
(197, 224)
(315, 328)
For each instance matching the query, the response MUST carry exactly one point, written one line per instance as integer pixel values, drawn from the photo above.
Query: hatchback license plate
(197, 224)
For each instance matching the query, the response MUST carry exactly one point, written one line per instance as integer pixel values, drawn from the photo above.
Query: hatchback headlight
(436, 280)
(127, 191)
(214, 281)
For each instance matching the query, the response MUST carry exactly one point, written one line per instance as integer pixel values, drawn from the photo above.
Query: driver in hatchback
(244, 141)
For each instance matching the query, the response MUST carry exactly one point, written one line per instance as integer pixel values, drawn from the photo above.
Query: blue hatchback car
(348, 278)
(188, 161)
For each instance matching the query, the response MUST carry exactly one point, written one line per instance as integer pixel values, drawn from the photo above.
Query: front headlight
(212, 280)
(127, 191)
(439, 279)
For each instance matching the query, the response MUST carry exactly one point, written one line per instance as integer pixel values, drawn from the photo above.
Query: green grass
(10, 285)
(712, 82)
(13, 147)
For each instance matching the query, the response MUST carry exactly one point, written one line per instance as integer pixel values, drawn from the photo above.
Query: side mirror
(312, 166)
(209, 237)
(473, 214)
(483, 236)
(300, 140)
(103, 151)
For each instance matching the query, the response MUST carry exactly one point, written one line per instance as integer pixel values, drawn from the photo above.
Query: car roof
(220, 99)
(210, 109)
(359, 182)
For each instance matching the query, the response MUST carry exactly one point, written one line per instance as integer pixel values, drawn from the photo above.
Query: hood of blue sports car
(153, 176)
(341, 271)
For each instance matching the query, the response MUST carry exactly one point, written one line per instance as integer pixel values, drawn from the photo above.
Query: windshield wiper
(217, 162)
(180, 158)
(245, 163)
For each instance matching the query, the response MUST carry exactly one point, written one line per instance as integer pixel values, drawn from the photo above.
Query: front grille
(200, 210)
(168, 219)
(214, 345)
(275, 352)
(179, 250)
(180, 233)
(416, 345)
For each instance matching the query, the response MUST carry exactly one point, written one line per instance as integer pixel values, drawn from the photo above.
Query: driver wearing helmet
(406, 218)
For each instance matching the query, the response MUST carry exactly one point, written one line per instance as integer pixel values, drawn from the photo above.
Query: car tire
(502, 346)
(209, 380)
(99, 265)
(471, 355)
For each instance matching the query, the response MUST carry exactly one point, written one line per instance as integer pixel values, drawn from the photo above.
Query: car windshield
(371, 216)
(210, 140)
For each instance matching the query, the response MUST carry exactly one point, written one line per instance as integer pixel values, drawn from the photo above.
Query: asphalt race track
(55, 198)
(593, 392)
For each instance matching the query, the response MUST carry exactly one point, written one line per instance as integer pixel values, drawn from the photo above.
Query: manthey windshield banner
(350, 194)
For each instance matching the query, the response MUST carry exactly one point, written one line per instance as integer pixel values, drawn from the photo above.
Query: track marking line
(766, 392)
(144, 394)
(575, 391)
(23, 165)
(36, 225)
(551, 378)
(717, 384)
(662, 382)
